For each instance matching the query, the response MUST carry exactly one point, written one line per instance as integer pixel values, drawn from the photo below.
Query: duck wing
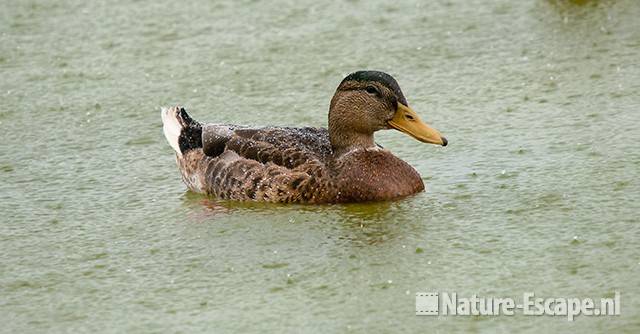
(284, 146)
(241, 163)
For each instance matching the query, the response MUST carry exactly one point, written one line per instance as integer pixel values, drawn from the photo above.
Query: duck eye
(372, 90)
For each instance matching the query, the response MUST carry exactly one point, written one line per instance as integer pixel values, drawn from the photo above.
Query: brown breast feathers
(375, 175)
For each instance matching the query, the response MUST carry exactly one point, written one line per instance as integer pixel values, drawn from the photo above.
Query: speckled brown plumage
(299, 165)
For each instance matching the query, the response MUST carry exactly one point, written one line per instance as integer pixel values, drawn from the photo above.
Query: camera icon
(427, 303)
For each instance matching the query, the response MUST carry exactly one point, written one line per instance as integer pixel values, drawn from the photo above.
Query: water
(537, 191)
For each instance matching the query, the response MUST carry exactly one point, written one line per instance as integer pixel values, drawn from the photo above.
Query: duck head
(368, 101)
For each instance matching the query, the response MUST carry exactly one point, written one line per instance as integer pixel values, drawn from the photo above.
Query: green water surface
(538, 190)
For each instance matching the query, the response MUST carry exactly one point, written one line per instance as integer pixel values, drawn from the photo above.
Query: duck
(341, 163)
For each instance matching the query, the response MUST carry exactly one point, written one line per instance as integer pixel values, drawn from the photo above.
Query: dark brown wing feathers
(251, 169)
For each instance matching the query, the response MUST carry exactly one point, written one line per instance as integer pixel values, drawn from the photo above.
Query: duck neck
(344, 140)
(348, 130)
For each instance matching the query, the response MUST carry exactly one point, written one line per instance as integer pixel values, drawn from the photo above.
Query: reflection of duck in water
(306, 165)
(575, 2)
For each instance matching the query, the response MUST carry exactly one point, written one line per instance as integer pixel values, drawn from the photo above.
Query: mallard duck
(339, 164)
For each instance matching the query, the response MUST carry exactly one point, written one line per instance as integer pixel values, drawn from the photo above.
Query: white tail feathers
(171, 127)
